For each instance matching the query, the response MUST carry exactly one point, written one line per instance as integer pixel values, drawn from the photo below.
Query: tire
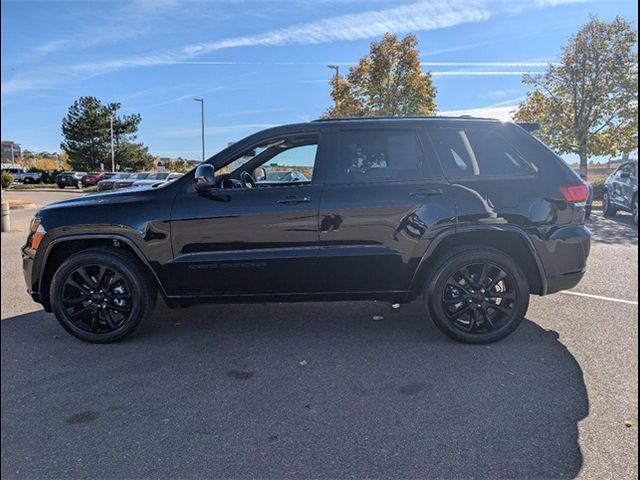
(634, 209)
(60, 186)
(28, 181)
(607, 208)
(93, 317)
(488, 315)
(79, 185)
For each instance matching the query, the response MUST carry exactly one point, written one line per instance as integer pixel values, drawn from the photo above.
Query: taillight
(575, 193)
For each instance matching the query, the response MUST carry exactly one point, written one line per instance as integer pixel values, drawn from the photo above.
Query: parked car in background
(70, 179)
(127, 182)
(282, 176)
(20, 175)
(469, 216)
(621, 191)
(156, 179)
(91, 179)
(108, 182)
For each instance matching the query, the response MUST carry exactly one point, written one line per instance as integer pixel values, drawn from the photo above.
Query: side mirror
(261, 173)
(625, 175)
(205, 178)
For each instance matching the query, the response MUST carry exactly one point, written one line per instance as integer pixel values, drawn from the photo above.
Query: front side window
(478, 151)
(278, 162)
(378, 155)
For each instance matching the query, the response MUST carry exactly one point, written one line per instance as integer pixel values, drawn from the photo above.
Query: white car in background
(155, 179)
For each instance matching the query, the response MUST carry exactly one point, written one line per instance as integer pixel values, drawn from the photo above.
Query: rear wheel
(78, 184)
(101, 295)
(60, 186)
(607, 207)
(477, 296)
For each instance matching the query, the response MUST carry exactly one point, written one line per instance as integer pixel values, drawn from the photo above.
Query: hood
(102, 198)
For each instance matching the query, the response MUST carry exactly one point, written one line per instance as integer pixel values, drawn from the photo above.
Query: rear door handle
(427, 192)
(292, 200)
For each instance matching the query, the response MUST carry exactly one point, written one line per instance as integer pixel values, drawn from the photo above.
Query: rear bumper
(564, 282)
(564, 255)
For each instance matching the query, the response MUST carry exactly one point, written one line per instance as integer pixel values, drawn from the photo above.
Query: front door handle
(427, 192)
(293, 200)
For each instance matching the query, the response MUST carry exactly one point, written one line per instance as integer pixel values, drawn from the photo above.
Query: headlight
(36, 234)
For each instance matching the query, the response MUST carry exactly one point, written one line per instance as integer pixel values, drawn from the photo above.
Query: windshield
(138, 176)
(158, 176)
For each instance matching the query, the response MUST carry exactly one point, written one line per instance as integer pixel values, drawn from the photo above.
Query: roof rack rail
(406, 117)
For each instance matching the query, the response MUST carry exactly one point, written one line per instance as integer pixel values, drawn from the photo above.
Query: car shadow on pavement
(288, 391)
(613, 230)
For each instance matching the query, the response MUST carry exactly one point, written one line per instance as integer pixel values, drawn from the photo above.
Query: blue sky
(260, 63)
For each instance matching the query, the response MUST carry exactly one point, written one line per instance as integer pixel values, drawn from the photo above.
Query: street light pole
(201, 100)
(337, 76)
(113, 154)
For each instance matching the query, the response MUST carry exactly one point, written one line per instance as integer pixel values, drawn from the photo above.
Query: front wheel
(79, 185)
(607, 206)
(60, 186)
(101, 295)
(477, 296)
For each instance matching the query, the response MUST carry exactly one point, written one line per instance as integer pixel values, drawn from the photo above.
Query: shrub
(49, 176)
(7, 179)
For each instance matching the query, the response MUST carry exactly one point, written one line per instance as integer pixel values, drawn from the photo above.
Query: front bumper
(28, 259)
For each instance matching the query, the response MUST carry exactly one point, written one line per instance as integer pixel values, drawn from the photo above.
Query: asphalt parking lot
(324, 391)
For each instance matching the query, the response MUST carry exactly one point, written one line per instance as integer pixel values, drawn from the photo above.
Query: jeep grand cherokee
(470, 215)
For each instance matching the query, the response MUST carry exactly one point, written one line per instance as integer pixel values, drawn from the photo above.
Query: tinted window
(629, 169)
(375, 155)
(478, 151)
(279, 156)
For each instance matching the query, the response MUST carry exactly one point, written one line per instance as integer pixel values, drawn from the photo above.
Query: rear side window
(469, 151)
(378, 155)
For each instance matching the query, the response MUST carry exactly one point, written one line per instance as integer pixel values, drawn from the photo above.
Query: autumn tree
(388, 81)
(87, 137)
(587, 104)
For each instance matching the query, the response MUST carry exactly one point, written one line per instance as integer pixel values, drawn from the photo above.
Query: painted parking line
(600, 297)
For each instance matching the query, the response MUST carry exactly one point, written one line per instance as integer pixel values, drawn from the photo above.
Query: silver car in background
(156, 179)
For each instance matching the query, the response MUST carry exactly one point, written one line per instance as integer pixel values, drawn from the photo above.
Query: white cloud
(190, 132)
(486, 64)
(420, 15)
(472, 73)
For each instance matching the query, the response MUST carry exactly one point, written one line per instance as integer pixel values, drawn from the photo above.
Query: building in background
(169, 164)
(11, 152)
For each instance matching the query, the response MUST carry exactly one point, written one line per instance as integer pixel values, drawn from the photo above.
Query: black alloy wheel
(96, 298)
(102, 295)
(479, 298)
(477, 295)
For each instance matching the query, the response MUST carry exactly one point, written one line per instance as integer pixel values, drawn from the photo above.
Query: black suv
(471, 215)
